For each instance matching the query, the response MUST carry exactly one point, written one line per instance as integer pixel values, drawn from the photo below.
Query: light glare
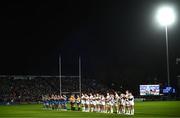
(165, 16)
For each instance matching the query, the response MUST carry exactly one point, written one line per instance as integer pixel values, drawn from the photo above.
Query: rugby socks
(83, 109)
(111, 109)
(132, 111)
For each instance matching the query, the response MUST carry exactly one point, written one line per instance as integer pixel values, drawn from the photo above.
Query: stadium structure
(31, 89)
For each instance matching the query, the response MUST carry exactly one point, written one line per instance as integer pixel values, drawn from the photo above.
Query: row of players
(121, 104)
(55, 102)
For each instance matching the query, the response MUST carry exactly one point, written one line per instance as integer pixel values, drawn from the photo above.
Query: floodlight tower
(166, 16)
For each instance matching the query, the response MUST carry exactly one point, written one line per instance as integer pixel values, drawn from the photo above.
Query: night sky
(117, 40)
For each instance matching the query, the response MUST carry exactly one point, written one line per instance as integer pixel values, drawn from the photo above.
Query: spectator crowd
(31, 89)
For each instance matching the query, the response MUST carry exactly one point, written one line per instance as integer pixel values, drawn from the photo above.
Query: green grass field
(142, 109)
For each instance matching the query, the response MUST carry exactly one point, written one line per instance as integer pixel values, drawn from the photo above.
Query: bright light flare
(166, 16)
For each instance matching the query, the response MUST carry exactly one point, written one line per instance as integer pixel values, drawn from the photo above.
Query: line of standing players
(109, 103)
(55, 102)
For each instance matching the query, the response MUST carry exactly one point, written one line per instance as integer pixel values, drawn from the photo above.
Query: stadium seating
(31, 90)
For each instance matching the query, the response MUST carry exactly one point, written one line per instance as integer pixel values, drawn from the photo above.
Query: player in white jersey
(103, 103)
(86, 103)
(100, 103)
(108, 110)
(83, 102)
(122, 104)
(127, 102)
(112, 101)
(91, 103)
(97, 103)
(131, 103)
(116, 104)
(94, 102)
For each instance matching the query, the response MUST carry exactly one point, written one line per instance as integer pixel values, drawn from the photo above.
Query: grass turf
(142, 109)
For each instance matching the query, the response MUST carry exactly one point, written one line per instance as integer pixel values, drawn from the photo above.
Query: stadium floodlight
(166, 16)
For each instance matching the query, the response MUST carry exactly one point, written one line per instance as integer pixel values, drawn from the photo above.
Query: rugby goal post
(61, 77)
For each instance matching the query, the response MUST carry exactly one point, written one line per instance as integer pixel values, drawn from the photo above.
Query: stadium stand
(31, 90)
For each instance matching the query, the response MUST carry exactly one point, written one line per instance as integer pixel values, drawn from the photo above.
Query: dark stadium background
(118, 41)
